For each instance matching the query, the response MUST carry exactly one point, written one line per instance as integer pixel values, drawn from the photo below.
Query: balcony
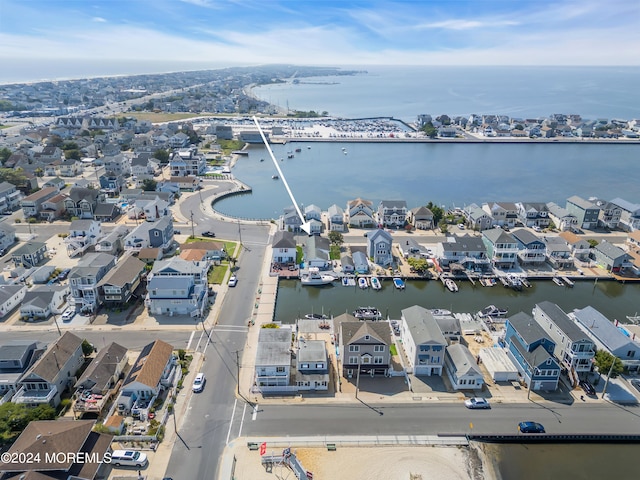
(35, 396)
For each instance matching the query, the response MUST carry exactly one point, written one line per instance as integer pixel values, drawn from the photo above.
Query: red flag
(263, 448)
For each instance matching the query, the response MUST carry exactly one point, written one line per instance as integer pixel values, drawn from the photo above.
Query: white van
(128, 458)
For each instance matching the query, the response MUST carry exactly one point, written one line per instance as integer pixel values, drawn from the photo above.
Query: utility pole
(238, 369)
(240, 232)
(604, 390)
(358, 377)
(55, 320)
(193, 233)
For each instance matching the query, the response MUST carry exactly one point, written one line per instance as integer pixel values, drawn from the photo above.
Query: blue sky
(213, 33)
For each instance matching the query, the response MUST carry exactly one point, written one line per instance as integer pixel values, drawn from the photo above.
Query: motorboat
(362, 282)
(398, 283)
(451, 285)
(275, 177)
(492, 311)
(375, 283)
(367, 313)
(441, 312)
(558, 281)
(298, 150)
(314, 277)
(316, 316)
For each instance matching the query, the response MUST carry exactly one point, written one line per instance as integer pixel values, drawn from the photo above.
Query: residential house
(346, 262)
(56, 182)
(10, 197)
(379, 247)
(312, 212)
(531, 350)
(558, 253)
(213, 251)
(283, 248)
(117, 287)
(531, 249)
(364, 346)
(423, 341)
(562, 218)
(312, 365)
(273, 359)
(151, 255)
(82, 235)
(533, 214)
(70, 168)
(179, 140)
(360, 262)
(151, 235)
(502, 213)
(177, 287)
(316, 252)
(42, 301)
(10, 297)
(291, 221)
(47, 154)
(153, 371)
(142, 165)
(609, 215)
(106, 212)
(184, 183)
(580, 248)
(392, 213)
(467, 251)
(98, 383)
(32, 204)
(85, 277)
(421, 218)
(610, 257)
(29, 254)
(462, 368)
(607, 336)
(97, 123)
(477, 218)
(82, 202)
(502, 248)
(150, 209)
(187, 161)
(7, 236)
(15, 358)
(50, 375)
(411, 248)
(336, 219)
(585, 212)
(53, 208)
(117, 165)
(44, 440)
(360, 213)
(112, 184)
(112, 243)
(630, 214)
(574, 348)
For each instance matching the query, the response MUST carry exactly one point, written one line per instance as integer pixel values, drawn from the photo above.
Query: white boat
(451, 285)
(367, 313)
(398, 283)
(315, 316)
(440, 312)
(375, 283)
(362, 283)
(558, 282)
(492, 311)
(314, 277)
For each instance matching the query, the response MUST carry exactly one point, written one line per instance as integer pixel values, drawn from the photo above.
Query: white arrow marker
(306, 226)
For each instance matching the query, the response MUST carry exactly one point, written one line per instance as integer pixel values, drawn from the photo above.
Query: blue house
(379, 244)
(532, 352)
(360, 263)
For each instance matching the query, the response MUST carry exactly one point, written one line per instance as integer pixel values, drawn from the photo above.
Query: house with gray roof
(558, 253)
(629, 214)
(29, 254)
(157, 234)
(273, 359)
(112, 243)
(312, 212)
(10, 197)
(283, 247)
(290, 221)
(462, 368)
(82, 202)
(85, 277)
(312, 365)
(421, 218)
(177, 287)
(346, 263)
(117, 287)
(423, 341)
(32, 204)
(610, 257)
(531, 249)
(379, 247)
(533, 214)
(586, 212)
(364, 346)
(502, 213)
(15, 358)
(607, 336)
(7, 235)
(336, 219)
(574, 349)
(561, 217)
(316, 252)
(42, 301)
(361, 213)
(10, 297)
(477, 218)
(360, 262)
(502, 248)
(392, 213)
(609, 214)
(466, 250)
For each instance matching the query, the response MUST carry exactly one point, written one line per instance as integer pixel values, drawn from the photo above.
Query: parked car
(68, 315)
(208, 234)
(587, 387)
(128, 458)
(176, 232)
(233, 281)
(198, 383)
(636, 384)
(537, 228)
(64, 274)
(477, 402)
(530, 427)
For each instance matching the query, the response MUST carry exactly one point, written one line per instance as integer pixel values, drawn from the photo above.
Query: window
(378, 348)
(319, 365)
(354, 348)
(367, 337)
(365, 360)
(279, 369)
(353, 360)
(377, 360)
(304, 365)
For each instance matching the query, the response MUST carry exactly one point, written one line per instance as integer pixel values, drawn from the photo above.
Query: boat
(514, 282)
(635, 319)
(440, 312)
(275, 177)
(367, 313)
(375, 283)
(298, 150)
(492, 311)
(308, 147)
(525, 282)
(345, 282)
(558, 282)
(262, 159)
(315, 316)
(451, 285)
(348, 281)
(398, 283)
(362, 282)
(567, 281)
(314, 277)
(290, 155)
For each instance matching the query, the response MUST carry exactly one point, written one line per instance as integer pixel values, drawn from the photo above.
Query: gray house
(360, 262)
(316, 252)
(117, 287)
(30, 254)
(585, 212)
(392, 213)
(364, 345)
(379, 243)
(284, 247)
(177, 287)
(150, 235)
(531, 249)
(85, 277)
(273, 359)
(15, 358)
(423, 341)
(610, 257)
(462, 368)
(477, 218)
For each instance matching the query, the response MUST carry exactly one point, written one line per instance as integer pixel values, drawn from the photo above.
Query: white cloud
(461, 24)
(98, 19)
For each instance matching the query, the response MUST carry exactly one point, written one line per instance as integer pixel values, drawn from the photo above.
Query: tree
(16, 177)
(420, 265)
(336, 238)
(87, 348)
(430, 130)
(161, 155)
(54, 141)
(438, 212)
(443, 226)
(5, 153)
(149, 185)
(592, 243)
(69, 145)
(72, 154)
(519, 127)
(603, 361)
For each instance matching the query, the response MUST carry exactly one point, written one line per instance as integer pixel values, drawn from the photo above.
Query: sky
(219, 33)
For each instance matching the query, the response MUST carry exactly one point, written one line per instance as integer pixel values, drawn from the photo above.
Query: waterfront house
(363, 345)
(462, 368)
(477, 218)
(558, 253)
(312, 212)
(117, 287)
(7, 236)
(32, 204)
(379, 247)
(360, 213)
(392, 213)
(82, 235)
(336, 218)
(10, 297)
(85, 277)
(423, 341)
(580, 248)
(609, 214)
(533, 214)
(502, 248)
(607, 336)
(291, 221)
(586, 212)
(29, 254)
(574, 349)
(531, 250)
(312, 365)
(360, 262)
(421, 218)
(150, 235)
(531, 350)
(316, 252)
(346, 262)
(561, 217)
(54, 372)
(43, 300)
(633, 240)
(629, 214)
(15, 358)
(467, 251)
(273, 359)
(610, 257)
(283, 247)
(502, 213)
(10, 197)
(82, 202)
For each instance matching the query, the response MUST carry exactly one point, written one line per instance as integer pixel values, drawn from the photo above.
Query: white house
(43, 300)
(423, 341)
(273, 359)
(10, 297)
(462, 369)
(283, 247)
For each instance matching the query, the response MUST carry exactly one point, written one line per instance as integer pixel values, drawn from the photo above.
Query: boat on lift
(558, 281)
(492, 311)
(362, 283)
(398, 283)
(314, 278)
(451, 285)
(375, 283)
(367, 313)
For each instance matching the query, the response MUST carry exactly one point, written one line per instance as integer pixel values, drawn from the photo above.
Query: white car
(477, 402)
(198, 383)
(68, 314)
(233, 281)
(537, 228)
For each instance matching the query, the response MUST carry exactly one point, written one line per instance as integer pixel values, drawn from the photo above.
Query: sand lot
(369, 463)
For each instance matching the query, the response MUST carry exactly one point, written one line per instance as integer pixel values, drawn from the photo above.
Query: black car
(587, 387)
(208, 234)
(530, 427)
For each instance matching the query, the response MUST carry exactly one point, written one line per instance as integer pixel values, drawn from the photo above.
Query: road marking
(207, 342)
(233, 413)
(231, 328)
(255, 412)
(199, 340)
(190, 339)
(242, 420)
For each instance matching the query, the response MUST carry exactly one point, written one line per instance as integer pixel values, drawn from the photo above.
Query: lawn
(334, 252)
(392, 349)
(217, 273)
